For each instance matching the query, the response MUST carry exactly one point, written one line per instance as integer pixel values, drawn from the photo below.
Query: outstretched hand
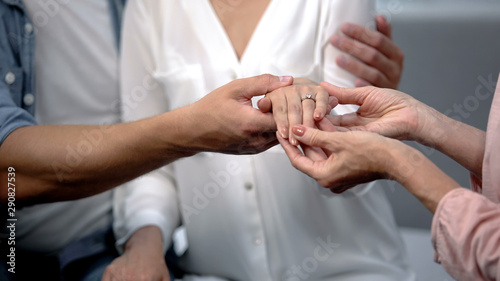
(383, 111)
(226, 122)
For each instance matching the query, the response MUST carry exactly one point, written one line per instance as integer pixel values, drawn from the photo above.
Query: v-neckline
(225, 37)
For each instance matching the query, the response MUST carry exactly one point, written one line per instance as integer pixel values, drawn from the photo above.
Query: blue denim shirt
(17, 80)
(17, 76)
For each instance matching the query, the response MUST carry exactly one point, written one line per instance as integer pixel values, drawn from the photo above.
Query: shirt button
(248, 186)
(10, 78)
(29, 99)
(28, 28)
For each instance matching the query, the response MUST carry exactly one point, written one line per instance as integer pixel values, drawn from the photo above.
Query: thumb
(263, 84)
(313, 137)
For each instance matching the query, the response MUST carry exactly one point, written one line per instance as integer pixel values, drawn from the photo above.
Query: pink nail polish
(298, 130)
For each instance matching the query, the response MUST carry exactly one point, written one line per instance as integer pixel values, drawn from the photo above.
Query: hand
(226, 122)
(377, 60)
(351, 158)
(359, 157)
(143, 259)
(290, 108)
(387, 112)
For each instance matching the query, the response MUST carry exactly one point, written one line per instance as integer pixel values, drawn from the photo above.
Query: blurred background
(452, 63)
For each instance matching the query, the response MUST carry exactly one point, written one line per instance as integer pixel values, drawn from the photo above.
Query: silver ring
(308, 97)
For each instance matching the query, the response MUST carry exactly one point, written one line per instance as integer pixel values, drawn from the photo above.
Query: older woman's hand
(304, 102)
(387, 112)
(350, 158)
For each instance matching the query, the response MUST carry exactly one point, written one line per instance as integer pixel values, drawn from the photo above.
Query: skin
(359, 147)
(223, 121)
(239, 22)
(374, 58)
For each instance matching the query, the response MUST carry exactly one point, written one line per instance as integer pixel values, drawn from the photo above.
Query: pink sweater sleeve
(466, 236)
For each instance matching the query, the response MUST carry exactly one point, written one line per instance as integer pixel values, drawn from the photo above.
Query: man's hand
(290, 106)
(225, 121)
(377, 60)
(143, 259)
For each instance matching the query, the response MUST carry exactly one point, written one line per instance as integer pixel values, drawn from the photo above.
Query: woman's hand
(351, 158)
(387, 112)
(376, 59)
(143, 259)
(290, 106)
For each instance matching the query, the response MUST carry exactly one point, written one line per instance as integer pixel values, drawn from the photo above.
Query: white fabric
(77, 83)
(250, 217)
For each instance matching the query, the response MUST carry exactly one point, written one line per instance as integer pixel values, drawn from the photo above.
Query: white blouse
(249, 217)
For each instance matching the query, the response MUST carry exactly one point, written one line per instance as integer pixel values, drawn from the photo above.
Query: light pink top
(466, 225)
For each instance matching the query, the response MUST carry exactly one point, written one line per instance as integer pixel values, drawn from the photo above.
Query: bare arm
(56, 163)
(397, 115)
(359, 157)
(143, 258)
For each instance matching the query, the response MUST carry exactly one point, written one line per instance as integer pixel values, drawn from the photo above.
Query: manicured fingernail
(294, 142)
(342, 61)
(336, 40)
(285, 78)
(298, 130)
(318, 115)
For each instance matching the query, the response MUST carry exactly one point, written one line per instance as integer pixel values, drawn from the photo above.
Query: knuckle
(295, 109)
(378, 40)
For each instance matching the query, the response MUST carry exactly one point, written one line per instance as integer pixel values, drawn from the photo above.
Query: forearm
(147, 239)
(463, 143)
(55, 163)
(418, 175)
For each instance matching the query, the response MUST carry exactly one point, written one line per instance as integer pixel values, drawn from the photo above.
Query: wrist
(147, 239)
(420, 176)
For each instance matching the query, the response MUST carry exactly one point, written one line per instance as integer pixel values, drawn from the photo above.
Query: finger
(314, 153)
(260, 85)
(348, 121)
(279, 104)
(314, 137)
(323, 104)
(308, 109)
(298, 160)
(365, 53)
(373, 74)
(264, 105)
(295, 110)
(371, 38)
(383, 26)
(347, 96)
(361, 83)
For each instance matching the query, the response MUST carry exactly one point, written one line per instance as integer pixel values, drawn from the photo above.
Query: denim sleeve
(11, 115)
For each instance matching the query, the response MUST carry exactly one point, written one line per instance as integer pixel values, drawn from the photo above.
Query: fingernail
(298, 130)
(342, 61)
(336, 40)
(284, 133)
(294, 142)
(285, 78)
(348, 28)
(318, 115)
